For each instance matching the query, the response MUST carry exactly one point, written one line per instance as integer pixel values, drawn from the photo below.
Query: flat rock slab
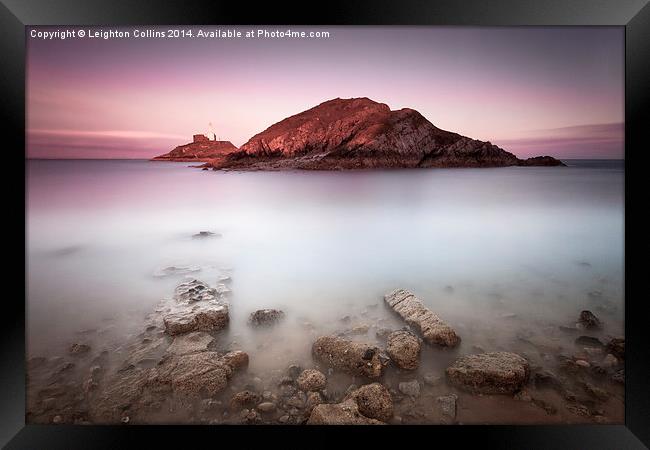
(194, 342)
(345, 413)
(352, 357)
(197, 307)
(490, 373)
(433, 329)
(196, 374)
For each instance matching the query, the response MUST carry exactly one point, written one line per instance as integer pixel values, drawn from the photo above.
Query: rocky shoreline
(179, 370)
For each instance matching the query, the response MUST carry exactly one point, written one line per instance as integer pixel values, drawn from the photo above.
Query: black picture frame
(633, 15)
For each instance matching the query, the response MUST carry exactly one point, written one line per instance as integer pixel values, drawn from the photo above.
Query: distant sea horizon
(149, 159)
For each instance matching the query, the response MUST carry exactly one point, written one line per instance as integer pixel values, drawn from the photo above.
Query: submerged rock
(447, 406)
(345, 413)
(205, 234)
(79, 349)
(311, 380)
(589, 341)
(175, 270)
(404, 347)
(352, 357)
(197, 308)
(374, 401)
(588, 320)
(265, 317)
(410, 388)
(490, 373)
(413, 311)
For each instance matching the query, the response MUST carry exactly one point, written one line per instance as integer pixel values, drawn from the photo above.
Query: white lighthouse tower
(211, 134)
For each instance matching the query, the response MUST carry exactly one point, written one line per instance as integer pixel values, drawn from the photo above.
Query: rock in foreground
(359, 133)
(404, 347)
(374, 401)
(311, 380)
(197, 307)
(351, 357)
(265, 317)
(345, 413)
(490, 373)
(199, 373)
(412, 310)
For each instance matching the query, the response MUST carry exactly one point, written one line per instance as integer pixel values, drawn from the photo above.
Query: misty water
(495, 252)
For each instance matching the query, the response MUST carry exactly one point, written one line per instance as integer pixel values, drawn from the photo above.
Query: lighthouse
(211, 133)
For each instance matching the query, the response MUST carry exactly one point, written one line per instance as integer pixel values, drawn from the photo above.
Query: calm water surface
(493, 251)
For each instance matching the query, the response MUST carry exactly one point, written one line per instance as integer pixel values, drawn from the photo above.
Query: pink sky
(532, 91)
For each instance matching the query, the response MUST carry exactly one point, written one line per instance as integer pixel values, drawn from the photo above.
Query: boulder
(311, 380)
(412, 310)
(588, 320)
(265, 317)
(490, 373)
(344, 413)
(352, 357)
(197, 307)
(404, 347)
(374, 401)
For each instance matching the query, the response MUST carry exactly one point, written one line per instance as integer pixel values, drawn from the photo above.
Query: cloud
(82, 144)
(582, 141)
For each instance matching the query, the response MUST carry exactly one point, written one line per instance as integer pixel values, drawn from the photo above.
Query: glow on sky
(556, 91)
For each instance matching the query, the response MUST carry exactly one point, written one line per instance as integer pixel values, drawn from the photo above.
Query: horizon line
(201, 160)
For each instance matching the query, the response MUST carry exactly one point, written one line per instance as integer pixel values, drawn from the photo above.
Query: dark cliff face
(359, 133)
(199, 151)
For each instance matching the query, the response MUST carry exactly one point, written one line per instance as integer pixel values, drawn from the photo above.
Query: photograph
(325, 225)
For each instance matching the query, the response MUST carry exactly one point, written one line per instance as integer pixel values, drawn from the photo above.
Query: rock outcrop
(197, 307)
(199, 150)
(359, 133)
(490, 373)
(412, 310)
(352, 357)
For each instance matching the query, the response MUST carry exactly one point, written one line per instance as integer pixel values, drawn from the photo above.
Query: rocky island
(200, 149)
(359, 133)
